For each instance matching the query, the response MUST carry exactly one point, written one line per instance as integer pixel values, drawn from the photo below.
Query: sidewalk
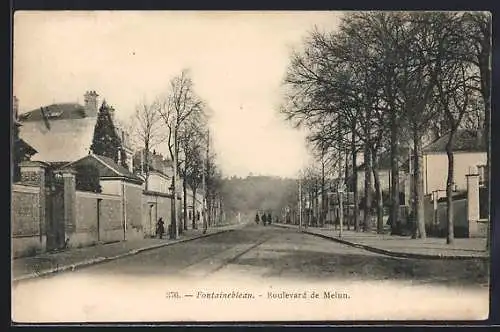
(47, 263)
(404, 246)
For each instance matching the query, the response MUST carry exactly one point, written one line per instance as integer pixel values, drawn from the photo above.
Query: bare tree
(180, 102)
(148, 130)
(456, 87)
(191, 139)
(479, 28)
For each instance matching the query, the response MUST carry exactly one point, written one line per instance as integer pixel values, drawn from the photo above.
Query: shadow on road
(301, 263)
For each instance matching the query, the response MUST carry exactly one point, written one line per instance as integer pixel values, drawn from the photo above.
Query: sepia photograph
(250, 166)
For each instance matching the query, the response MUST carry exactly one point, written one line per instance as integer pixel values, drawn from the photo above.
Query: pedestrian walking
(160, 228)
(257, 219)
(263, 219)
(269, 218)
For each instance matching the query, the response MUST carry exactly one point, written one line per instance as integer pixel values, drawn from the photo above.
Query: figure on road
(160, 228)
(269, 218)
(263, 219)
(257, 219)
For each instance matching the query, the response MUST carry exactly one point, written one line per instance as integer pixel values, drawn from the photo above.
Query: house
(384, 171)
(469, 152)
(65, 133)
(51, 210)
(157, 198)
(160, 171)
(113, 214)
(111, 174)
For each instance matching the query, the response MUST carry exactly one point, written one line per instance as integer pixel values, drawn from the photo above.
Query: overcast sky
(237, 61)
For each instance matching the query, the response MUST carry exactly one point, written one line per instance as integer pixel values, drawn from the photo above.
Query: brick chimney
(90, 99)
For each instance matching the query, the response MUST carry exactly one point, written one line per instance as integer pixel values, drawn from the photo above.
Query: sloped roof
(59, 111)
(106, 166)
(65, 140)
(157, 162)
(385, 159)
(463, 141)
(25, 147)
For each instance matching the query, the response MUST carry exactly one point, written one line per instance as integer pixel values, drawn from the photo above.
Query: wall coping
(25, 188)
(89, 194)
(68, 171)
(160, 174)
(33, 163)
(121, 178)
(424, 153)
(157, 193)
(467, 175)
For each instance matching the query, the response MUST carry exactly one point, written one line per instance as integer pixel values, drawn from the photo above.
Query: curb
(390, 252)
(98, 260)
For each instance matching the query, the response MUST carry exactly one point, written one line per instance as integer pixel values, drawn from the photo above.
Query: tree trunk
(368, 190)
(209, 211)
(487, 134)
(146, 161)
(194, 222)
(355, 182)
(394, 203)
(185, 214)
(323, 196)
(172, 212)
(418, 188)
(449, 191)
(378, 195)
(346, 194)
(487, 124)
(318, 209)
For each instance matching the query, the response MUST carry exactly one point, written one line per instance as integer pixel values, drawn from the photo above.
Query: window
(54, 114)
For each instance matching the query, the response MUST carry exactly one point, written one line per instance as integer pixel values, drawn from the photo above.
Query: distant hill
(247, 195)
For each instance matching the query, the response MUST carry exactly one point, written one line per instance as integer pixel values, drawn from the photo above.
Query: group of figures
(266, 219)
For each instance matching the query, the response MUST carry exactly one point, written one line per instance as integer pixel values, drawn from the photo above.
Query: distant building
(384, 171)
(160, 170)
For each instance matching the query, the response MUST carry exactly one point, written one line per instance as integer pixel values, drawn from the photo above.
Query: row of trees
(179, 119)
(384, 80)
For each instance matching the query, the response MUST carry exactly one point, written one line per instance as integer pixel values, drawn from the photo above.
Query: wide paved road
(265, 273)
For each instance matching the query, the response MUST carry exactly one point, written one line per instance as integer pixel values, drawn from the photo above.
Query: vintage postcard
(252, 166)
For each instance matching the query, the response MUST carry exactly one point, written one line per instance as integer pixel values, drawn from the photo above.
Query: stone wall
(26, 233)
(133, 213)
(88, 230)
(155, 206)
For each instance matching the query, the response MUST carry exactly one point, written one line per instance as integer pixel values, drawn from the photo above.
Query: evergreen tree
(106, 141)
